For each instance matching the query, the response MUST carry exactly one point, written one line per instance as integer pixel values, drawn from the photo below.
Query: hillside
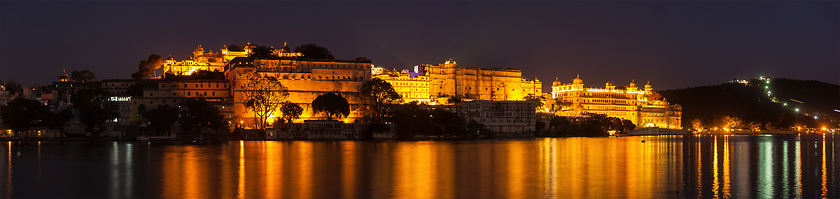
(759, 100)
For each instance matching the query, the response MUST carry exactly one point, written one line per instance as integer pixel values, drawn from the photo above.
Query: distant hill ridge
(750, 100)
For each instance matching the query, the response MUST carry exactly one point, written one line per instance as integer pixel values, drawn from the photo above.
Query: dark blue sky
(671, 44)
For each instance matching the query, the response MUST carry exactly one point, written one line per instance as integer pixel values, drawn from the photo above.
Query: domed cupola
(556, 82)
(577, 80)
(632, 83)
(648, 87)
(63, 77)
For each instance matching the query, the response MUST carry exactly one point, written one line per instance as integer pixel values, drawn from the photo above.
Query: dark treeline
(412, 120)
(593, 125)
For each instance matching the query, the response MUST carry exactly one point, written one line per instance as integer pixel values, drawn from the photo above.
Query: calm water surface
(623, 167)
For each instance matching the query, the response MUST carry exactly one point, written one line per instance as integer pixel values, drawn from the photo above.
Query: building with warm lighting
(494, 84)
(631, 103)
(411, 86)
(210, 61)
(430, 82)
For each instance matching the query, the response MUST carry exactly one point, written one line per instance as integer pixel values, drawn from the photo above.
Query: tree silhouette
(13, 87)
(453, 100)
(93, 106)
(200, 116)
(263, 95)
(19, 114)
(155, 62)
(331, 104)
(83, 76)
(161, 119)
(377, 96)
(148, 67)
(538, 99)
(261, 51)
(312, 51)
(291, 111)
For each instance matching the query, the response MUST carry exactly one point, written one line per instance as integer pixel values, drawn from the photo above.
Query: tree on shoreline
(93, 107)
(331, 104)
(200, 116)
(263, 95)
(20, 114)
(291, 111)
(377, 96)
(162, 118)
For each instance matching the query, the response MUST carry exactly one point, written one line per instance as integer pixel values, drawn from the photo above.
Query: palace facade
(430, 82)
(210, 61)
(640, 106)
(410, 86)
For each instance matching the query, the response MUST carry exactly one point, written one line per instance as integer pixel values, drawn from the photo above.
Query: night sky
(671, 44)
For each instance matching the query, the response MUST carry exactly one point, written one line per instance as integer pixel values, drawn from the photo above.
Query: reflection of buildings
(444, 80)
(639, 106)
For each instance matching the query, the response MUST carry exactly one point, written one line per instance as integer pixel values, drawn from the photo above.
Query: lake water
(616, 167)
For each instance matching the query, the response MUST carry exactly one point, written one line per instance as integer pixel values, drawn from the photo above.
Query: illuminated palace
(410, 86)
(430, 82)
(210, 61)
(305, 79)
(639, 106)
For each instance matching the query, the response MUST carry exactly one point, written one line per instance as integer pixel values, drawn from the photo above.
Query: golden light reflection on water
(726, 178)
(415, 175)
(798, 166)
(240, 192)
(9, 181)
(348, 172)
(273, 156)
(699, 155)
(824, 177)
(516, 170)
(542, 168)
(304, 168)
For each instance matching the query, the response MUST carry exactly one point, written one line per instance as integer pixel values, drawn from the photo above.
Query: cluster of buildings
(494, 97)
